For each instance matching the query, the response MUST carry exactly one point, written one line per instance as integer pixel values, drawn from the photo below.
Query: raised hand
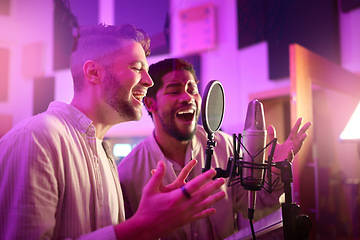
(180, 180)
(292, 144)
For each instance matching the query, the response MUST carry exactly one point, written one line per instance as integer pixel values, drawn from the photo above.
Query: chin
(190, 132)
(131, 115)
(137, 116)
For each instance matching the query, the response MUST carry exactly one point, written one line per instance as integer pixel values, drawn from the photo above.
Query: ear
(149, 103)
(91, 71)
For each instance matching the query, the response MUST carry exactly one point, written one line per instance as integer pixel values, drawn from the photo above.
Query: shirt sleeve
(28, 188)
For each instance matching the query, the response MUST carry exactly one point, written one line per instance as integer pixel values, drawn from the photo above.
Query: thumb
(155, 181)
(271, 132)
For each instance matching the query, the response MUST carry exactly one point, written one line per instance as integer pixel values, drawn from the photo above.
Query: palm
(180, 180)
(292, 144)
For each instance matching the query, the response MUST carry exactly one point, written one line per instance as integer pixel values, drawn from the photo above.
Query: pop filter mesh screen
(215, 107)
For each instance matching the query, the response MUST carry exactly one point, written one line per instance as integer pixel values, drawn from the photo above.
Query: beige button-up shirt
(52, 179)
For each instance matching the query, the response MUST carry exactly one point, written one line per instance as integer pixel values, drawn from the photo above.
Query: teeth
(139, 95)
(139, 98)
(187, 111)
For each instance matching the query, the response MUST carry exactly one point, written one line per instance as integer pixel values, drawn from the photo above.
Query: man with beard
(174, 103)
(58, 180)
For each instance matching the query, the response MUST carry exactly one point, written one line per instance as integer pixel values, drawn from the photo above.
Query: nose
(186, 97)
(146, 80)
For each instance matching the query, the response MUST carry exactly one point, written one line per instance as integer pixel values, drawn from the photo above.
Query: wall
(242, 72)
(26, 29)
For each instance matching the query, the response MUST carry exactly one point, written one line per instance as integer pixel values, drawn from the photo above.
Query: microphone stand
(208, 155)
(295, 225)
(209, 152)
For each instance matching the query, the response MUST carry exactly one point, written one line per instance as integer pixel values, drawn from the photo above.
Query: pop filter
(213, 107)
(212, 114)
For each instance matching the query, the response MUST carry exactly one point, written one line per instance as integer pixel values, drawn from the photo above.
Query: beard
(169, 126)
(115, 95)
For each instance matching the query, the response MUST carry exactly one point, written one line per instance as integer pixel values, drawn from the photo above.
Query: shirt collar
(73, 115)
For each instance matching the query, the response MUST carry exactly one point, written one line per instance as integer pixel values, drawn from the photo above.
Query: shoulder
(220, 135)
(31, 142)
(139, 156)
(201, 135)
(37, 126)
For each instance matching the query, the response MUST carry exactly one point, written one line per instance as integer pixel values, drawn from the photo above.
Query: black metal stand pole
(295, 226)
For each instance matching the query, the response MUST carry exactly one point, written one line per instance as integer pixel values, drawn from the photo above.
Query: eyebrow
(172, 84)
(192, 83)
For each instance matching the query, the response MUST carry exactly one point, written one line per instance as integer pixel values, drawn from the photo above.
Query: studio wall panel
(65, 18)
(4, 74)
(44, 91)
(5, 7)
(6, 124)
(152, 17)
(312, 24)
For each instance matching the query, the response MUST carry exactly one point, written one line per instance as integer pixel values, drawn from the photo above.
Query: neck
(98, 114)
(172, 148)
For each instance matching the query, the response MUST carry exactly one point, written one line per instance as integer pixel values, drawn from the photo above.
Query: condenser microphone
(254, 142)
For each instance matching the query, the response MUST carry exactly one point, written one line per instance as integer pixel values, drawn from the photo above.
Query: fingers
(271, 132)
(205, 213)
(299, 136)
(200, 181)
(205, 205)
(290, 156)
(295, 129)
(203, 194)
(296, 135)
(180, 180)
(186, 170)
(155, 181)
(204, 198)
(305, 128)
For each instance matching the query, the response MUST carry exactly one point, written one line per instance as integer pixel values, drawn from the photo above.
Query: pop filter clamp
(295, 225)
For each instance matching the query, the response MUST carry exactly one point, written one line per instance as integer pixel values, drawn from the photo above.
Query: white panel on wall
(197, 29)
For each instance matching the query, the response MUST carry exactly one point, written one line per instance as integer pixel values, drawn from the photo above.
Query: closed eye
(136, 69)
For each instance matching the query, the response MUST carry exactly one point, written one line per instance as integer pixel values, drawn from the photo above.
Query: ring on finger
(185, 192)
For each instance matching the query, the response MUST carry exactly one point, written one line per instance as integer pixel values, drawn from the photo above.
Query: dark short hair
(100, 42)
(158, 70)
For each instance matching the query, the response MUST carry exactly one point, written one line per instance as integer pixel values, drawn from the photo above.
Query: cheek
(166, 107)
(199, 101)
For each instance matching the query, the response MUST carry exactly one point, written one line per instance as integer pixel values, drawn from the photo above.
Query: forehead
(178, 76)
(131, 52)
